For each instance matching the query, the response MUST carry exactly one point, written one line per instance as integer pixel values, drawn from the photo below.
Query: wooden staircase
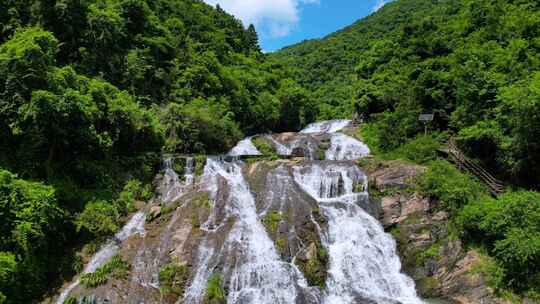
(495, 186)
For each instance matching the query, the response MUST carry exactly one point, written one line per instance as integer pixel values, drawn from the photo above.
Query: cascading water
(305, 143)
(256, 272)
(188, 174)
(134, 226)
(172, 186)
(344, 147)
(281, 148)
(330, 126)
(364, 265)
(171, 181)
(244, 147)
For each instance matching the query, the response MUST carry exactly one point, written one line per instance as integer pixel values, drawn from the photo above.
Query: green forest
(474, 64)
(92, 92)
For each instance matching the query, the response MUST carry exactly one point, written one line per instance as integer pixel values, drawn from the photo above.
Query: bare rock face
(155, 212)
(391, 210)
(397, 208)
(440, 266)
(395, 174)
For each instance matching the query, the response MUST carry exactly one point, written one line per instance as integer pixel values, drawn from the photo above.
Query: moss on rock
(199, 163)
(271, 221)
(263, 145)
(215, 294)
(116, 268)
(172, 279)
(314, 264)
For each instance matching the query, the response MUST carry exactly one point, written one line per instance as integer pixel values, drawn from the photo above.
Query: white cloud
(271, 17)
(380, 3)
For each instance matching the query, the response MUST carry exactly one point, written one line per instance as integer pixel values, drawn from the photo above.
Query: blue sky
(284, 22)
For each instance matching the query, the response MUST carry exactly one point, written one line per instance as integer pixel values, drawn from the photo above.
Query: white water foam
(244, 147)
(172, 187)
(344, 147)
(329, 126)
(363, 259)
(281, 148)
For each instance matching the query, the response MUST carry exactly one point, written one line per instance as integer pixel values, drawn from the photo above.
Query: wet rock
(440, 216)
(153, 213)
(308, 253)
(298, 152)
(420, 239)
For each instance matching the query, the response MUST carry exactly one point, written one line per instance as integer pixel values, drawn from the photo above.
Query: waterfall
(364, 264)
(256, 274)
(361, 264)
(305, 143)
(330, 126)
(134, 226)
(244, 147)
(343, 147)
(172, 186)
(281, 148)
(188, 174)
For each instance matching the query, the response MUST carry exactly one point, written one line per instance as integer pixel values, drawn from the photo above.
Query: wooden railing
(494, 185)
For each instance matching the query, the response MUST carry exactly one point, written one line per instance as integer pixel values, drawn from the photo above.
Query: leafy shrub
(420, 150)
(8, 265)
(271, 220)
(99, 218)
(370, 136)
(509, 227)
(320, 154)
(395, 128)
(315, 269)
(214, 290)
(200, 162)
(29, 231)
(70, 300)
(430, 253)
(172, 279)
(133, 190)
(116, 268)
(263, 146)
(201, 126)
(445, 183)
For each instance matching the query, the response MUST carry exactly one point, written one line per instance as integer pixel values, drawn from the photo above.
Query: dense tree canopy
(31, 220)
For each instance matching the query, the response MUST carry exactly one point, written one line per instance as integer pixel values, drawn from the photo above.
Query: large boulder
(395, 175)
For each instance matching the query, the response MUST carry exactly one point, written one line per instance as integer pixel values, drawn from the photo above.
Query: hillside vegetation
(91, 92)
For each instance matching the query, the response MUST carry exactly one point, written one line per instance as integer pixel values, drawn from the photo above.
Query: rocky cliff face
(437, 262)
(264, 230)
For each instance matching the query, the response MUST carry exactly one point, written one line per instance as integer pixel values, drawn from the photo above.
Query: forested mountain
(94, 92)
(91, 92)
(474, 63)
